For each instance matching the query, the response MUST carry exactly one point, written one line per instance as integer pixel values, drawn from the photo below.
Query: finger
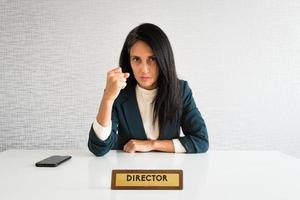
(118, 70)
(126, 75)
(120, 75)
(122, 80)
(128, 149)
(125, 148)
(123, 85)
(114, 69)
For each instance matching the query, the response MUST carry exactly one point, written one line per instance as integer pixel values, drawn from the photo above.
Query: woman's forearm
(163, 145)
(149, 145)
(104, 112)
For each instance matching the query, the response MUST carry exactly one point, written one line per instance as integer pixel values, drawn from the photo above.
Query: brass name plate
(146, 180)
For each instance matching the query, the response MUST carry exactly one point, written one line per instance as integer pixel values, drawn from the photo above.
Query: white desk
(215, 175)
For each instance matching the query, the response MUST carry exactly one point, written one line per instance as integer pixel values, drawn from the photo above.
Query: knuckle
(109, 72)
(109, 75)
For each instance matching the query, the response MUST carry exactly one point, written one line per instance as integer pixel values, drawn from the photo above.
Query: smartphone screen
(52, 161)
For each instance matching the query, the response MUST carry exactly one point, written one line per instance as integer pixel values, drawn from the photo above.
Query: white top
(215, 175)
(145, 100)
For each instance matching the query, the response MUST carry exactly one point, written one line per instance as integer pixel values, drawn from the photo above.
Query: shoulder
(186, 93)
(184, 88)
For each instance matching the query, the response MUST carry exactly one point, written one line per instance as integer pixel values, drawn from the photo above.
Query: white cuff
(178, 146)
(101, 131)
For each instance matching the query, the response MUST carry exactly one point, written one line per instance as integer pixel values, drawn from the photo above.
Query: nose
(145, 67)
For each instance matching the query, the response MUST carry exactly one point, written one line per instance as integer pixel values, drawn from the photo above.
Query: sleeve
(178, 146)
(193, 125)
(101, 132)
(100, 147)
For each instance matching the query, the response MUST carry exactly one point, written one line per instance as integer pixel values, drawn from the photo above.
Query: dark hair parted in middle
(168, 102)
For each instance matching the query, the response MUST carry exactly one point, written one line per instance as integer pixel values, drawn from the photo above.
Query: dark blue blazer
(127, 124)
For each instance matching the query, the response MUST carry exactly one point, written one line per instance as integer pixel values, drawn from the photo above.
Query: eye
(152, 59)
(135, 59)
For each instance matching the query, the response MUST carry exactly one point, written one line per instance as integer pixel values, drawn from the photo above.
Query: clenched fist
(115, 82)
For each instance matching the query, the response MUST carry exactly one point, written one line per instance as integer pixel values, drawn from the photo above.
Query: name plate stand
(146, 179)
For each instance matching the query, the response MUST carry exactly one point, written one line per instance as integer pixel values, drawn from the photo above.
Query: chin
(146, 86)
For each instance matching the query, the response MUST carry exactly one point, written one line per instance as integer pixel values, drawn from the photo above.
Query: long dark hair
(168, 103)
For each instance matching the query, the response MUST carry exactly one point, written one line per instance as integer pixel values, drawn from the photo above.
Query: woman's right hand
(115, 82)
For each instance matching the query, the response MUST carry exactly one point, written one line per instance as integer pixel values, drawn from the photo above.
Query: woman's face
(144, 66)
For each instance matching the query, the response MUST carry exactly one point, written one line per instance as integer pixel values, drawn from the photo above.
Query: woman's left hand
(138, 145)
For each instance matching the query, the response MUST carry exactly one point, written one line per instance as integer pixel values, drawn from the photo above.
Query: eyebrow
(133, 56)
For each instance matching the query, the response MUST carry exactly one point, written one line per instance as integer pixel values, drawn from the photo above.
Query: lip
(145, 77)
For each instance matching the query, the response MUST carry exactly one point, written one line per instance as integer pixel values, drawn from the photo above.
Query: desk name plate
(124, 179)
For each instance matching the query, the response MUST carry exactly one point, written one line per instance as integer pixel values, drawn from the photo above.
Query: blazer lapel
(133, 116)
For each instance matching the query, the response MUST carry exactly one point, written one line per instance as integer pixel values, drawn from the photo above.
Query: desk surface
(214, 175)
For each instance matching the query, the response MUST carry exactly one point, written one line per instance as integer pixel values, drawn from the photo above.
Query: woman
(144, 103)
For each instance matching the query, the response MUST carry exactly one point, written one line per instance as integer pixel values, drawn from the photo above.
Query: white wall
(241, 58)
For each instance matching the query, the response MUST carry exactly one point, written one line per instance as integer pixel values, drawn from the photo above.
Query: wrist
(107, 100)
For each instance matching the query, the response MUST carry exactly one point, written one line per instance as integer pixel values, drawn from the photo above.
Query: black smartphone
(52, 161)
